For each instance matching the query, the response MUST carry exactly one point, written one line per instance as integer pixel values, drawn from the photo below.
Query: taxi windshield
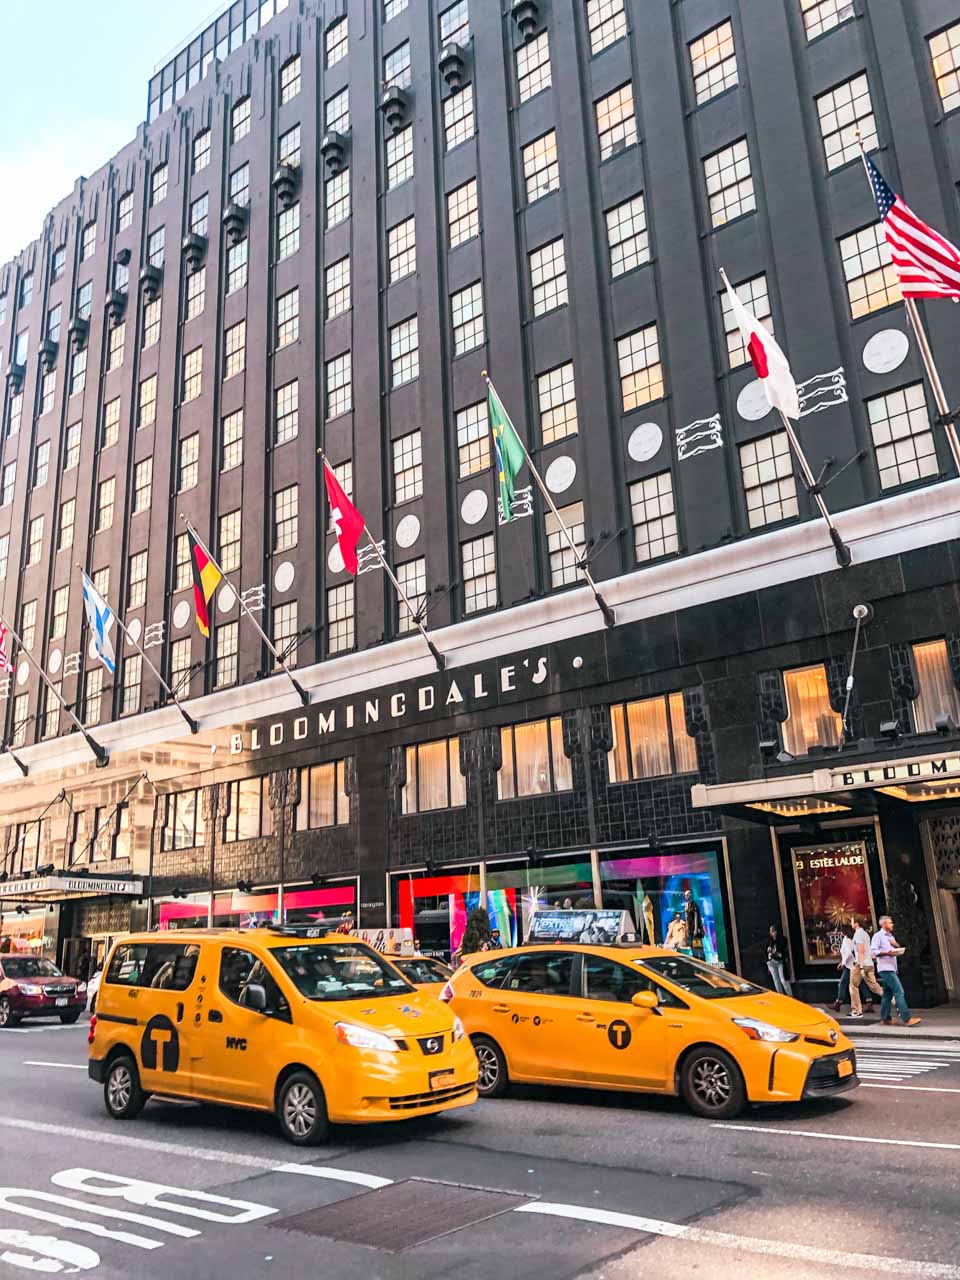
(700, 979)
(339, 971)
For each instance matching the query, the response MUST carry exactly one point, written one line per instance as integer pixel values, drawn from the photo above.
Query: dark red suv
(31, 987)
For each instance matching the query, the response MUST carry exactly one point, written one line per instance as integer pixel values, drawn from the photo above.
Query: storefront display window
(833, 886)
(237, 910)
(435, 907)
(675, 900)
(518, 889)
(33, 933)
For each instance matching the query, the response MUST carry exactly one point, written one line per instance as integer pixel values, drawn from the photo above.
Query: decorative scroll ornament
(699, 437)
(522, 504)
(822, 391)
(367, 557)
(254, 598)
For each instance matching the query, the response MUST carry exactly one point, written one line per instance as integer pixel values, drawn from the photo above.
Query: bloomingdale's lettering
(899, 771)
(465, 690)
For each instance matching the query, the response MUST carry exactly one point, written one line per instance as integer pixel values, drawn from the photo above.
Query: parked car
(93, 986)
(33, 987)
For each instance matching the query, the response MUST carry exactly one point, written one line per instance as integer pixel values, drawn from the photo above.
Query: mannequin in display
(676, 939)
(694, 922)
(646, 908)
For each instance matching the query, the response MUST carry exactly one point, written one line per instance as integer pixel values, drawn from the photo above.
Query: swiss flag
(348, 523)
(769, 362)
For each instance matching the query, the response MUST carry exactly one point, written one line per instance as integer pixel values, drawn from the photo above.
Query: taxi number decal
(619, 1034)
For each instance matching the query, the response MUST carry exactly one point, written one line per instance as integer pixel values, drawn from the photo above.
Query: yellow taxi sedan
(425, 972)
(644, 1019)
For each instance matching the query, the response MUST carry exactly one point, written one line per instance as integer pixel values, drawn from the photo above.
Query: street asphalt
(592, 1184)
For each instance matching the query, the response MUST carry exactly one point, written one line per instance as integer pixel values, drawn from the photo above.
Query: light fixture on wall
(945, 724)
(244, 886)
(890, 729)
(785, 757)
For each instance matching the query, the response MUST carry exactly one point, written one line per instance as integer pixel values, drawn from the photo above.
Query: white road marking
(67, 1066)
(833, 1137)
(336, 1175)
(884, 1061)
(909, 1088)
(157, 1195)
(46, 1254)
(840, 1259)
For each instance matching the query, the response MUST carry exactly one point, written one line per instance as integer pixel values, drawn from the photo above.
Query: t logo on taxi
(160, 1034)
(619, 1034)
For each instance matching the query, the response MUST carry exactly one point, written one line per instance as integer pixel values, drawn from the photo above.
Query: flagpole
(102, 756)
(301, 692)
(841, 549)
(194, 727)
(609, 617)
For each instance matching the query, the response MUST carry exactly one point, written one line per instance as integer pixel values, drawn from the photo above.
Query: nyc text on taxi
(315, 1029)
(645, 1019)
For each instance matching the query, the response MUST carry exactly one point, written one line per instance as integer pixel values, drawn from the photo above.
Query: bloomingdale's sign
(879, 775)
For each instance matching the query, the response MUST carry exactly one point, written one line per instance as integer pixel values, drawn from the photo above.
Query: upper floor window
(557, 400)
(811, 721)
(902, 437)
(822, 15)
(654, 517)
(399, 157)
(58, 264)
(467, 313)
(151, 323)
(289, 79)
(846, 121)
(88, 241)
(26, 290)
(323, 796)
(183, 823)
(872, 280)
(463, 214)
(287, 412)
(235, 349)
(336, 42)
(641, 373)
(288, 317)
(396, 67)
(564, 566)
(627, 236)
(606, 22)
(200, 215)
(240, 120)
(713, 61)
(937, 691)
(288, 149)
(434, 780)
(288, 232)
(339, 383)
(458, 118)
(473, 439)
(85, 300)
(533, 760)
(533, 67)
(407, 467)
(729, 183)
(616, 122)
(158, 184)
(402, 249)
(455, 24)
(769, 486)
(201, 150)
(240, 185)
(336, 111)
(755, 297)
(650, 739)
(541, 168)
(337, 198)
(945, 52)
(125, 211)
(548, 277)
(391, 8)
(340, 607)
(248, 813)
(404, 352)
(237, 255)
(192, 373)
(156, 242)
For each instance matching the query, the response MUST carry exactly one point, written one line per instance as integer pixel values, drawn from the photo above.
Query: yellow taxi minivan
(645, 1019)
(314, 1027)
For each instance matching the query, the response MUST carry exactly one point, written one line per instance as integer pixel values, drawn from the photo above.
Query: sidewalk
(942, 1022)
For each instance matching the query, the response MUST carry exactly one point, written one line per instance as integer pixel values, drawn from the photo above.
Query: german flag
(206, 579)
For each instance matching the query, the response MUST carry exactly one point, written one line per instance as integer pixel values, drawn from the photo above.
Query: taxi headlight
(757, 1030)
(458, 1031)
(365, 1038)
(30, 989)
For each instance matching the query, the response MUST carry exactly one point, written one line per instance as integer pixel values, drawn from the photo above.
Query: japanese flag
(348, 523)
(768, 360)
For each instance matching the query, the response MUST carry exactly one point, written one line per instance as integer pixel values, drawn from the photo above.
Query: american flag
(5, 664)
(928, 265)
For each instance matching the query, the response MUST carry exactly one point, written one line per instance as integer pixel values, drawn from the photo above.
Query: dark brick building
(335, 218)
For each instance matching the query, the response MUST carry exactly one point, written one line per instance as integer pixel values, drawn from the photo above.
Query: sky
(72, 92)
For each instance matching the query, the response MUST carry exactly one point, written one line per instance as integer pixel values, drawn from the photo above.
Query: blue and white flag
(100, 619)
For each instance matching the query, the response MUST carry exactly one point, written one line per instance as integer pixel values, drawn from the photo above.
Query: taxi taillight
(92, 1030)
(447, 993)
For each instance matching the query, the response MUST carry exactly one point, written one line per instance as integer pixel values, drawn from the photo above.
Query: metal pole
(840, 547)
(281, 843)
(926, 355)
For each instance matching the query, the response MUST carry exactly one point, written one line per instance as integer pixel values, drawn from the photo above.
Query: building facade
(337, 216)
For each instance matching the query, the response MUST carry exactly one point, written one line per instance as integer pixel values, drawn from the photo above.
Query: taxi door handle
(214, 1015)
(585, 1017)
(179, 1010)
(501, 1008)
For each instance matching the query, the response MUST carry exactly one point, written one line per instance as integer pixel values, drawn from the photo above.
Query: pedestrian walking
(885, 949)
(863, 971)
(776, 958)
(845, 966)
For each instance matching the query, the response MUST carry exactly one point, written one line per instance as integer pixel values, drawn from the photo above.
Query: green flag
(510, 455)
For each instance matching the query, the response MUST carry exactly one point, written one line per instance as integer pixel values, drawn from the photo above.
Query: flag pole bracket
(844, 558)
(822, 481)
(947, 419)
(17, 761)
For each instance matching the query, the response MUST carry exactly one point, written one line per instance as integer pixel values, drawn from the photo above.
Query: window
(534, 763)
(48, 390)
(753, 293)
(557, 398)
(846, 119)
(467, 311)
(151, 323)
(28, 624)
(337, 287)
(101, 580)
(768, 483)
(811, 721)
(228, 541)
(237, 266)
(287, 415)
(121, 277)
(339, 385)
(117, 341)
(58, 622)
(627, 236)
(110, 433)
(288, 232)
(336, 111)
(344, 473)
(147, 404)
(88, 241)
(871, 277)
(201, 151)
(125, 211)
(654, 517)
(391, 8)
(458, 123)
(142, 485)
(16, 413)
(130, 684)
(606, 22)
(183, 565)
(50, 726)
(902, 437)
(235, 349)
(533, 67)
(84, 302)
(8, 483)
(616, 124)
(404, 352)
(158, 184)
(335, 42)
(180, 665)
(323, 796)
(21, 719)
(285, 630)
(192, 373)
(105, 500)
(67, 519)
(78, 372)
(286, 507)
(479, 559)
(399, 157)
(650, 740)
(71, 447)
(289, 148)
(21, 347)
(463, 214)
(240, 186)
(226, 660)
(548, 277)
(34, 540)
(434, 780)
(137, 581)
(92, 695)
(412, 577)
(288, 318)
(248, 812)
(729, 183)
(713, 60)
(4, 555)
(541, 169)
(407, 467)
(937, 692)
(196, 293)
(473, 439)
(53, 322)
(564, 568)
(396, 67)
(402, 249)
(641, 373)
(183, 828)
(337, 193)
(945, 52)
(188, 463)
(821, 15)
(289, 80)
(240, 120)
(340, 618)
(455, 24)
(231, 450)
(26, 290)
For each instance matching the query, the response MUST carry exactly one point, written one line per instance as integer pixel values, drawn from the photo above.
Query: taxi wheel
(492, 1080)
(122, 1094)
(7, 1017)
(712, 1084)
(302, 1109)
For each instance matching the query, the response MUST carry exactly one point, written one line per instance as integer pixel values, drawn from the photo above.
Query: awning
(68, 888)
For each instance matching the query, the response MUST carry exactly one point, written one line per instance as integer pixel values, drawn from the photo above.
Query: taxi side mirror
(644, 1000)
(256, 997)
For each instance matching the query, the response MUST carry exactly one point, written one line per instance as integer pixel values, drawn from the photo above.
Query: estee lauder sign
(434, 698)
(879, 775)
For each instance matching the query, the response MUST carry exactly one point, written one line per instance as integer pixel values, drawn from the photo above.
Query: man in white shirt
(885, 949)
(847, 957)
(862, 971)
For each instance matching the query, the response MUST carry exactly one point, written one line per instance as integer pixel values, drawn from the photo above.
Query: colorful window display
(833, 887)
(33, 933)
(247, 910)
(675, 899)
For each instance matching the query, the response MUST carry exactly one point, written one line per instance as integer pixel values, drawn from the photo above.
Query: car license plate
(845, 1068)
(442, 1079)
(61, 1000)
